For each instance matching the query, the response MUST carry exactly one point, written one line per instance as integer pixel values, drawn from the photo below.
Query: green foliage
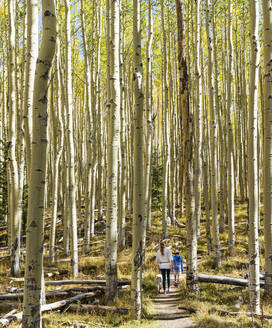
(3, 179)
(157, 174)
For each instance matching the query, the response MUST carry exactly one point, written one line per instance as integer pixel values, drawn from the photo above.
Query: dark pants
(164, 273)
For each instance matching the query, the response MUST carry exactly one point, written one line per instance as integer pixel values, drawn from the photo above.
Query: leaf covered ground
(212, 296)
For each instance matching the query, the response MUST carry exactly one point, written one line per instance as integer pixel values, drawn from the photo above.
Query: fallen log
(48, 307)
(249, 314)
(54, 293)
(101, 309)
(245, 275)
(83, 282)
(224, 280)
(8, 314)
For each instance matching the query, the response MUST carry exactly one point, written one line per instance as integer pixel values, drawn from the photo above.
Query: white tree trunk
(34, 231)
(32, 53)
(70, 143)
(267, 30)
(149, 107)
(165, 128)
(58, 140)
(14, 211)
(253, 190)
(198, 120)
(213, 129)
(113, 155)
(138, 179)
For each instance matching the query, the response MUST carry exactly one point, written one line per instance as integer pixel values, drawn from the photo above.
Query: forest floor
(212, 297)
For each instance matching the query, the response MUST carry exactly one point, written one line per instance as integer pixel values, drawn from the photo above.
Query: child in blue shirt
(178, 266)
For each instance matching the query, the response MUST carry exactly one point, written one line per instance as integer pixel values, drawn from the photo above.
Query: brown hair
(162, 248)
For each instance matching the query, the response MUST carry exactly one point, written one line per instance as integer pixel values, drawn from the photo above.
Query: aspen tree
(89, 138)
(239, 129)
(138, 179)
(100, 125)
(34, 231)
(172, 116)
(95, 64)
(70, 142)
(165, 114)
(149, 130)
(220, 128)
(267, 29)
(97, 122)
(65, 173)
(206, 159)
(31, 57)
(244, 103)
(213, 142)
(187, 138)
(20, 78)
(254, 261)
(14, 211)
(112, 156)
(230, 153)
(123, 157)
(58, 140)
(198, 120)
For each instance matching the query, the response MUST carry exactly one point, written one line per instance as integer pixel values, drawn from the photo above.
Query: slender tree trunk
(89, 138)
(149, 130)
(34, 233)
(70, 143)
(213, 129)
(113, 154)
(123, 154)
(198, 120)
(32, 53)
(14, 210)
(254, 261)
(58, 136)
(165, 114)
(138, 250)
(230, 135)
(188, 132)
(267, 29)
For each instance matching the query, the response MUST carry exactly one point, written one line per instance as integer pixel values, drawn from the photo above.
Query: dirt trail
(167, 311)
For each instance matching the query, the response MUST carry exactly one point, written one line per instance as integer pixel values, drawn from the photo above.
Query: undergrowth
(212, 297)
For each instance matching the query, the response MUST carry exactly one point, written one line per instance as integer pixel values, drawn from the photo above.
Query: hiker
(164, 260)
(178, 266)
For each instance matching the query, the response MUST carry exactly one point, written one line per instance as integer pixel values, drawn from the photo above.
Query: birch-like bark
(138, 250)
(254, 259)
(34, 233)
(165, 114)
(267, 30)
(70, 142)
(149, 106)
(230, 153)
(89, 137)
(14, 211)
(213, 129)
(58, 140)
(198, 121)
(32, 53)
(123, 157)
(113, 155)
